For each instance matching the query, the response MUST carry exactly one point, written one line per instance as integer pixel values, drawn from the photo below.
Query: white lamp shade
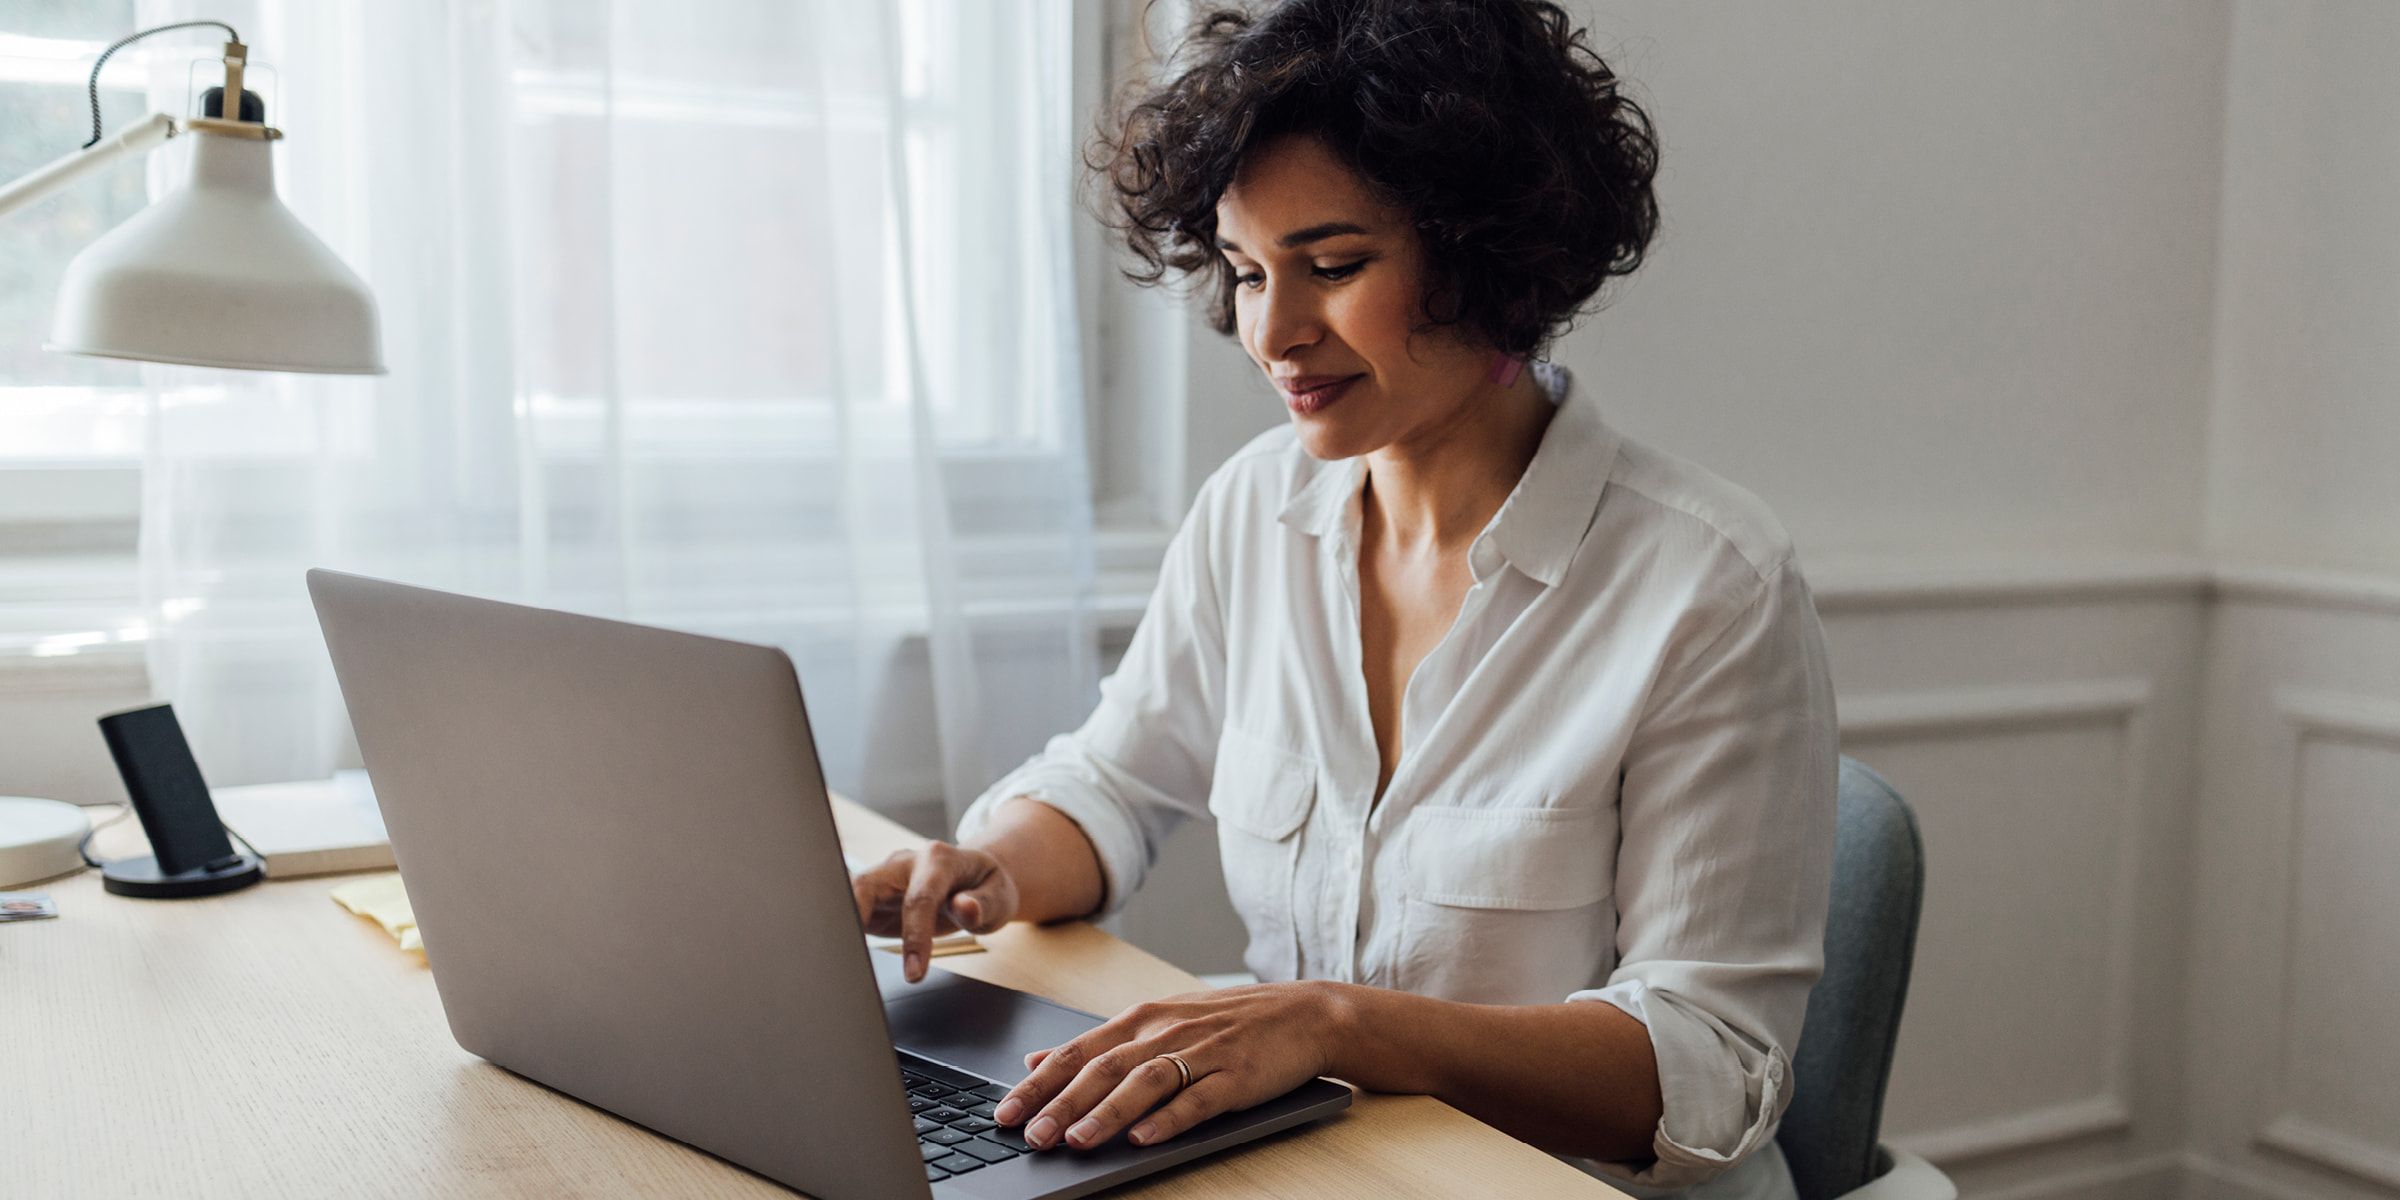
(218, 273)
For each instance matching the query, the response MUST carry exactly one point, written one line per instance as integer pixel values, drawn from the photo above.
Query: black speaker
(190, 854)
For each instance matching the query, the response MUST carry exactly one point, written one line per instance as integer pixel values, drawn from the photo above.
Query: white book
(314, 827)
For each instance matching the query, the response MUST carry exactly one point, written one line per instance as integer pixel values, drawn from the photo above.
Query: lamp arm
(149, 132)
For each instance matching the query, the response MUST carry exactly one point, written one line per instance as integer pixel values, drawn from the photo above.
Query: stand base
(141, 877)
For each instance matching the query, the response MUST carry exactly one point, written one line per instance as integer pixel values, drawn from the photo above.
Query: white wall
(2044, 738)
(2294, 974)
(1934, 279)
(2295, 968)
(50, 743)
(1953, 253)
(2305, 434)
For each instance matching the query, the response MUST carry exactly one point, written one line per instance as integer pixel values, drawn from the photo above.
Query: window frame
(61, 510)
(1137, 340)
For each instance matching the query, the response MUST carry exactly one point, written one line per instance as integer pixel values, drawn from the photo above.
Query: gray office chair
(1830, 1133)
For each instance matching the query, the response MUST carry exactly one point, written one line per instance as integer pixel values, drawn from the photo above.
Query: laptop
(618, 844)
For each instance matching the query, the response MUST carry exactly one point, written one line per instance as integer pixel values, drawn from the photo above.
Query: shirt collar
(1541, 525)
(1318, 507)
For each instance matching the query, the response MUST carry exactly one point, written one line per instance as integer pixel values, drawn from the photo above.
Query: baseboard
(2215, 1181)
(2209, 1179)
(2178, 1175)
(2158, 1177)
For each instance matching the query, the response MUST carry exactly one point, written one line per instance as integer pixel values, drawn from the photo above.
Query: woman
(1518, 734)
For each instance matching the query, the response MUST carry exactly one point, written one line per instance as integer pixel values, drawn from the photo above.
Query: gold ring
(1181, 1068)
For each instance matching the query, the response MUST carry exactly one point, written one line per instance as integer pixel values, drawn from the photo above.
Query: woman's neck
(1436, 489)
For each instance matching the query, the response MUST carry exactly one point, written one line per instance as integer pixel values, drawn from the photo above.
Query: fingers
(920, 909)
(1242, 1046)
(919, 895)
(1050, 1071)
(1145, 1086)
(878, 890)
(1208, 1096)
(1081, 1098)
(987, 906)
(1067, 1083)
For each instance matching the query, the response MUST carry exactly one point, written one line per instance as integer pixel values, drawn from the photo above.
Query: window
(744, 375)
(60, 410)
(70, 426)
(740, 403)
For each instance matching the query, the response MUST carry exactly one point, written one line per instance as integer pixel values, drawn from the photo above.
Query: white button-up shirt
(1616, 779)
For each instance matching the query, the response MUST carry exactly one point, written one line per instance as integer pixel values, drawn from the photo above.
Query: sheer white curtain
(751, 317)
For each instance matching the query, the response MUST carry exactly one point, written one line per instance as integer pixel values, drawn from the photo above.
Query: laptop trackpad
(894, 985)
(975, 1026)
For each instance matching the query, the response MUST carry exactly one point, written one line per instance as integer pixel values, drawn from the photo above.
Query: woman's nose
(1289, 320)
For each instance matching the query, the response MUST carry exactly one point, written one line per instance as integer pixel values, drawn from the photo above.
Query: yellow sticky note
(955, 942)
(381, 899)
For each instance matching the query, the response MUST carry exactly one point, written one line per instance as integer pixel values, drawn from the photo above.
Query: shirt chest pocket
(1508, 905)
(1261, 796)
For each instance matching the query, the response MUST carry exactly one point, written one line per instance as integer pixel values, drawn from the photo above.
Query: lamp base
(39, 839)
(141, 877)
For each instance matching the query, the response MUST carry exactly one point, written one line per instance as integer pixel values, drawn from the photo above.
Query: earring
(1505, 367)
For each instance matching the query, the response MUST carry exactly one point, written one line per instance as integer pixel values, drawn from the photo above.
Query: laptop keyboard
(953, 1111)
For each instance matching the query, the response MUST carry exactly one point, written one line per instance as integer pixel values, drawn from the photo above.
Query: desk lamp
(216, 273)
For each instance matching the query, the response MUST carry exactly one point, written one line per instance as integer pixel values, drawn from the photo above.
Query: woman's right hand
(919, 895)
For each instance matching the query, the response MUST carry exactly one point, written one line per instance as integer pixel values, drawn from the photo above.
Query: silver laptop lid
(618, 847)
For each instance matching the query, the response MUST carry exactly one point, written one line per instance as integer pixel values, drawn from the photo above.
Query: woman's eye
(1253, 279)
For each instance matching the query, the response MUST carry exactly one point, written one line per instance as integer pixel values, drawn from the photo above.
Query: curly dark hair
(1492, 123)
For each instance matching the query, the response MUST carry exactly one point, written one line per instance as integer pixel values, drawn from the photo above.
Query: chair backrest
(1830, 1133)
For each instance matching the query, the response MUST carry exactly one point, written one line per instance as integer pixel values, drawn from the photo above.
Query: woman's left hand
(1244, 1045)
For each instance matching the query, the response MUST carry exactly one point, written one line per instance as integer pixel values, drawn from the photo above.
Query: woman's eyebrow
(1302, 237)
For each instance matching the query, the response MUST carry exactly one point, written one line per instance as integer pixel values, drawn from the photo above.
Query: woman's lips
(1318, 396)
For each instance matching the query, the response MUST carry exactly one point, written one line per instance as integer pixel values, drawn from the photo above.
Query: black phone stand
(190, 854)
(141, 877)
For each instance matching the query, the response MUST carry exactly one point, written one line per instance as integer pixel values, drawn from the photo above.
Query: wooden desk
(269, 1043)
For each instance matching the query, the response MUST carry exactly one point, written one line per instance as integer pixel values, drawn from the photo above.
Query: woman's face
(1328, 287)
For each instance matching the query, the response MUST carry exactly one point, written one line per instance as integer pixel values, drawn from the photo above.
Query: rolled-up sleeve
(1723, 871)
(1141, 764)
